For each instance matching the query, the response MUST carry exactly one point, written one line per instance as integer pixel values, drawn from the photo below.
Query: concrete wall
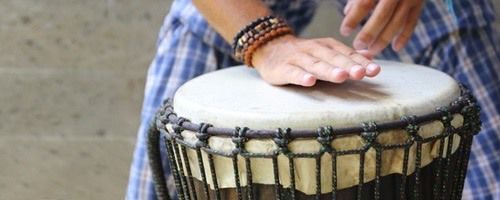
(71, 82)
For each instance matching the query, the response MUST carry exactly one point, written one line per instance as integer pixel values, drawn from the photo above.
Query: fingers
(411, 22)
(392, 20)
(321, 69)
(370, 69)
(392, 28)
(289, 74)
(335, 58)
(355, 11)
(304, 61)
(374, 26)
(348, 7)
(296, 75)
(344, 49)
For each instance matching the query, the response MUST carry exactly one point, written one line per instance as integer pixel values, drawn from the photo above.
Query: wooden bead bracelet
(257, 34)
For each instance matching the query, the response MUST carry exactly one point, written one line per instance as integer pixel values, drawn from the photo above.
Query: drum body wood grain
(405, 134)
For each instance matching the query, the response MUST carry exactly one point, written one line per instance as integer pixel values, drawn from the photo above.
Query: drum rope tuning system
(448, 169)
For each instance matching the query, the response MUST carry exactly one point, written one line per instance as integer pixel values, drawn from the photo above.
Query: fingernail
(357, 69)
(357, 72)
(359, 45)
(307, 77)
(340, 74)
(345, 30)
(372, 67)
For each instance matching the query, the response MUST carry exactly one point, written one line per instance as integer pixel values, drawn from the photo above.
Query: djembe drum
(405, 134)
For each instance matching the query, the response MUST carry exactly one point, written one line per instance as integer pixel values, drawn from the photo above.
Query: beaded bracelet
(250, 26)
(256, 34)
(243, 35)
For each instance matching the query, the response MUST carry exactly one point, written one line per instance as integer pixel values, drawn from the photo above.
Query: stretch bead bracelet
(256, 34)
(245, 34)
(267, 37)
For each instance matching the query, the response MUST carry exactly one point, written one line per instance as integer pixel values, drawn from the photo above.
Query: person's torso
(438, 17)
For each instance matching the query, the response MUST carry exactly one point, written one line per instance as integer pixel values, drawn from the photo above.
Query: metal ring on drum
(405, 134)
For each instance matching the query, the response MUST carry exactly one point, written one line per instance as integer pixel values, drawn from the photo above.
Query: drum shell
(431, 161)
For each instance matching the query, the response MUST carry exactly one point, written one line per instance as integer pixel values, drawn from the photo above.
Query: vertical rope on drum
(318, 176)
(402, 189)
(334, 175)
(177, 135)
(412, 129)
(449, 130)
(418, 163)
(213, 173)
(182, 176)
(465, 162)
(463, 169)
(378, 161)
(369, 136)
(292, 176)
(214, 176)
(248, 166)
(437, 174)
(191, 189)
(334, 171)
(237, 177)
(439, 179)
(155, 162)
(277, 186)
(448, 164)
(325, 138)
(201, 166)
(472, 126)
(188, 168)
(239, 142)
(282, 139)
(170, 152)
(202, 142)
(458, 164)
(359, 194)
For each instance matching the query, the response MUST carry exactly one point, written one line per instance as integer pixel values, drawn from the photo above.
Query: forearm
(228, 17)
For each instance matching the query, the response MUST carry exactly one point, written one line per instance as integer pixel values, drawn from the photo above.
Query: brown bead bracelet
(256, 34)
(267, 37)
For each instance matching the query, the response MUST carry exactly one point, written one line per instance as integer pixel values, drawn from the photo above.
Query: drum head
(237, 96)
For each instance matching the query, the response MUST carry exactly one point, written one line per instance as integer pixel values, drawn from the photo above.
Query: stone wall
(71, 82)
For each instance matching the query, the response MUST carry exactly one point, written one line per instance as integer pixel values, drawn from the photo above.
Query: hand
(391, 20)
(291, 60)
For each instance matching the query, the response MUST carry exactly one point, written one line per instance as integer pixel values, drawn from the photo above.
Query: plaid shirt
(453, 36)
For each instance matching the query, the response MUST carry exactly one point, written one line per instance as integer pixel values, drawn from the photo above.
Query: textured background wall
(71, 82)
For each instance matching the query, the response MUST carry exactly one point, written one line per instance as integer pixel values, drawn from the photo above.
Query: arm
(228, 17)
(287, 59)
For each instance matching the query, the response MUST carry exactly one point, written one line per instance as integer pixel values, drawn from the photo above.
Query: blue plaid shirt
(453, 36)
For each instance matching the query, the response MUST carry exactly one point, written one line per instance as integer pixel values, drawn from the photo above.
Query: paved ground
(71, 81)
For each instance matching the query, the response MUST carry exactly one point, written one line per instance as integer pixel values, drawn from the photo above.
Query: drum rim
(167, 115)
